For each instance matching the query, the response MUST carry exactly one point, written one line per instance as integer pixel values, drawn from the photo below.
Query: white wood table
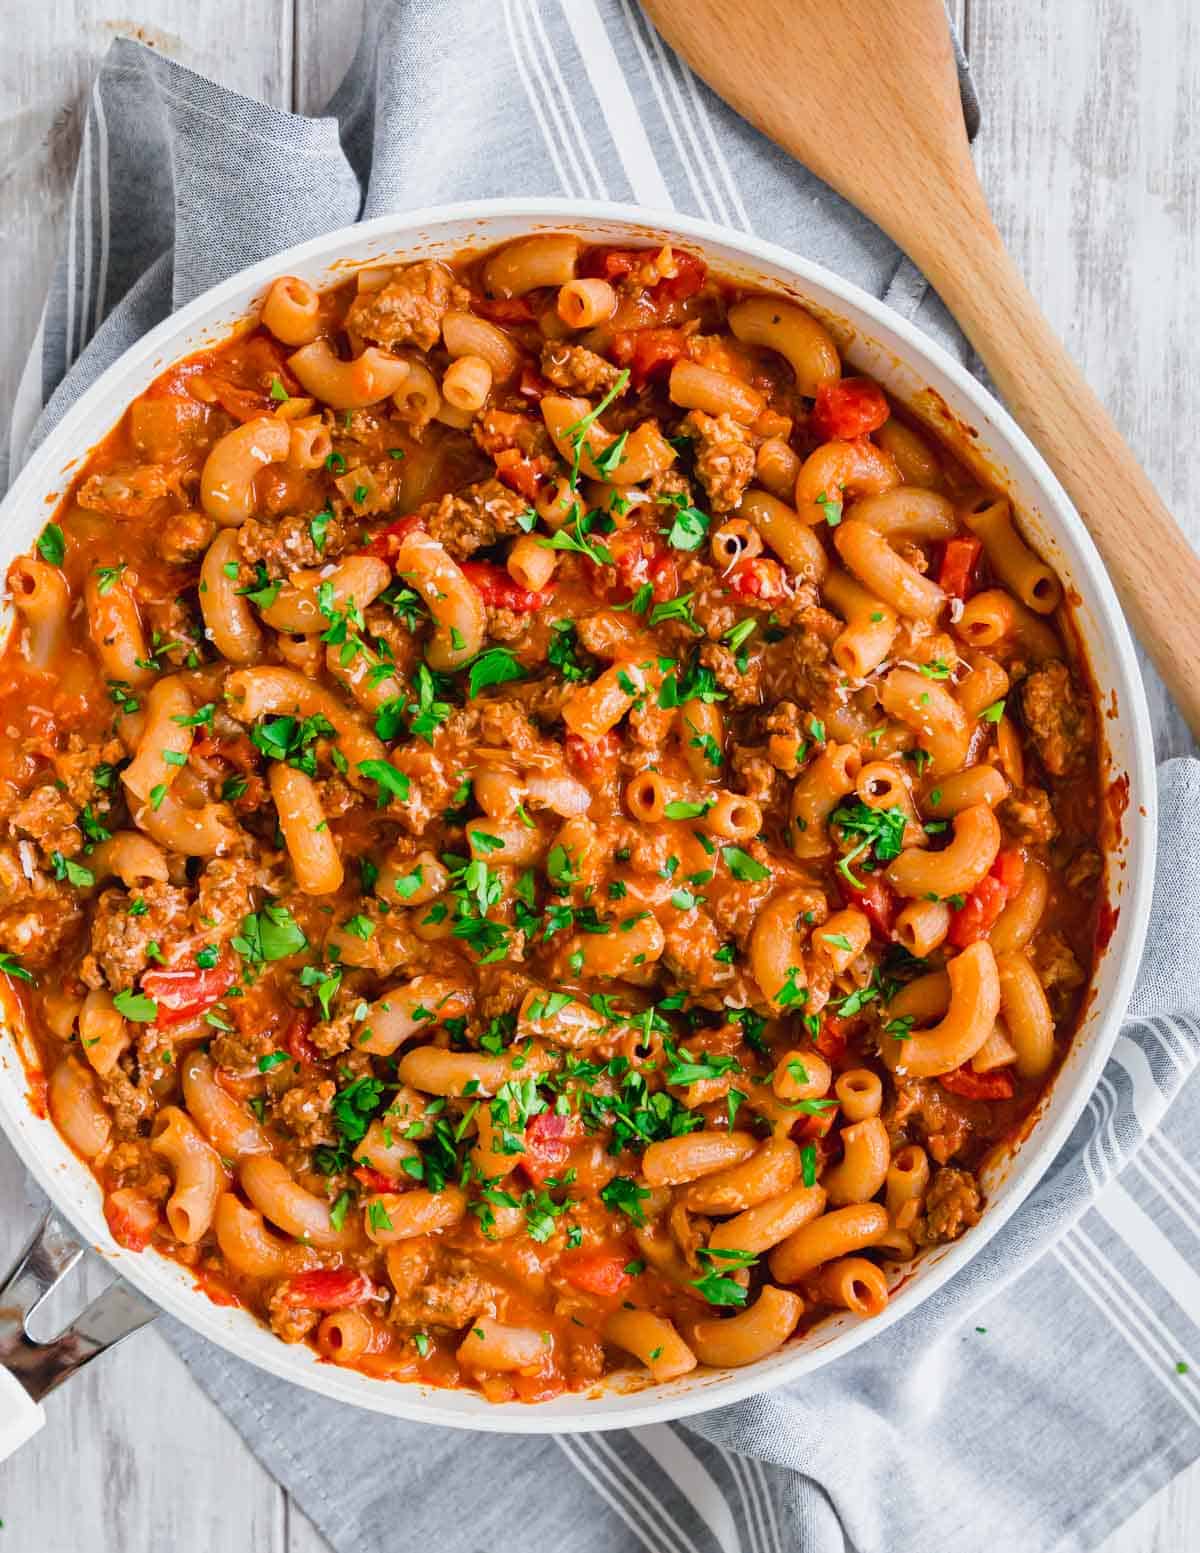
(1089, 153)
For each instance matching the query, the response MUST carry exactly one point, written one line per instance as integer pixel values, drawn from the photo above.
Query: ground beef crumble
(1028, 814)
(454, 1295)
(1057, 718)
(744, 689)
(287, 546)
(47, 817)
(409, 309)
(476, 516)
(304, 1111)
(724, 457)
(937, 1119)
(953, 1204)
(576, 369)
(120, 939)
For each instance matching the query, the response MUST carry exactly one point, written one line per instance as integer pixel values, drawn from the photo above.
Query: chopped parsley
(624, 1195)
(74, 873)
(563, 652)
(879, 829)
(716, 1286)
(11, 966)
(495, 666)
(744, 867)
(680, 809)
(52, 545)
(689, 528)
(682, 1068)
(831, 510)
(391, 782)
(270, 934)
(291, 739)
(136, 1006)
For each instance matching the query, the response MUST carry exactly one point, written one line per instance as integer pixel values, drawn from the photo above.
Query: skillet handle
(30, 1368)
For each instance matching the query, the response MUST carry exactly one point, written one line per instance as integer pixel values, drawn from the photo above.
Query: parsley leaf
(689, 529)
(744, 867)
(270, 934)
(716, 1286)
(831, 510)
(495, 666)
(624, 1195)
(392, 783)
(11, 966)
(563, 652)
(52, 544)
(74, 873)
(683, 1068)
(136, 1006)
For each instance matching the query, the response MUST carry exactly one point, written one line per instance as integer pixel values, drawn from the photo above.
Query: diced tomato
(388, 540)
(295, 1040)
(519, 473)
(503, 310)
(246, 392)
(878, 903)
(327, 1288)
(637, 558)
(977, 915)
(374, 1180)
(244, 404)
(182, 994)
(611, 263)
(757, 578)
(1009, 868)
(964, 1081)
(664, 577)
(648, 353)
(211, 1286)
(599, 1270)
(131, 1218)
(593, 759)
(831, 1038)
(959, 560)
(499, 591)
(616, 263)
(548, 1142)
(689, 276)
(848, 408)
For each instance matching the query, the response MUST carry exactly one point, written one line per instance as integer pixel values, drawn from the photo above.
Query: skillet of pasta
(545, 829)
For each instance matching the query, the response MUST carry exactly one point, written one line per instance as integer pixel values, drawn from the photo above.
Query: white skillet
(917, 372)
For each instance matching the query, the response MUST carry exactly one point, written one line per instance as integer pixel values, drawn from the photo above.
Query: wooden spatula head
(865, 94)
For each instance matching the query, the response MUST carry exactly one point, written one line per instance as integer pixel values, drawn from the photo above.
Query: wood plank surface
(1088, 152)
(133, 1458)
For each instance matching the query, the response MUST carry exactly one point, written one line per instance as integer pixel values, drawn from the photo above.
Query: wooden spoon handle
(1154, 569)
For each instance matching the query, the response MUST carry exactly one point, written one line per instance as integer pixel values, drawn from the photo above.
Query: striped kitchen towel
(1046, 1391)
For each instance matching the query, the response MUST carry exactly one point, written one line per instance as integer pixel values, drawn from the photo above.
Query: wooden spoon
(864, 92)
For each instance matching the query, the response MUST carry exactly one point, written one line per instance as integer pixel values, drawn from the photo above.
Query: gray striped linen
(1036, 1400)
